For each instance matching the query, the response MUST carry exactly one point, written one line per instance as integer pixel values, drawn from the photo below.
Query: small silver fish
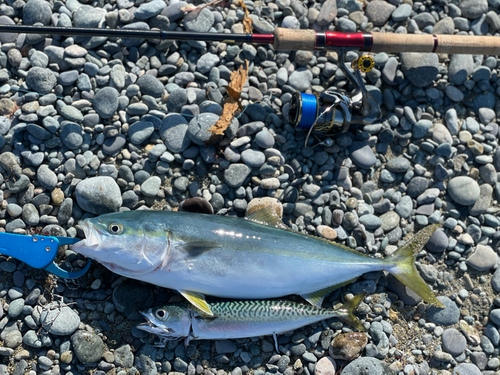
(239, 319)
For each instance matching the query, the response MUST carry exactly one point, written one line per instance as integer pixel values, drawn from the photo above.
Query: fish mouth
(151, 327)
(92, 237)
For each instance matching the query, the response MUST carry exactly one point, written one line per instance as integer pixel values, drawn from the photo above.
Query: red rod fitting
(263, 38)
(340, 39)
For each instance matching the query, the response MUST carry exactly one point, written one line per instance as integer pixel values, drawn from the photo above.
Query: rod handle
(451, 44)
(292, 39)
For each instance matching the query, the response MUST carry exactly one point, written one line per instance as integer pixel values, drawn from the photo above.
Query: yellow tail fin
(349, 307)
(406, 272)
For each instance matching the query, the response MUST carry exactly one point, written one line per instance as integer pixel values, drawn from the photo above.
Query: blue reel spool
(303, 110)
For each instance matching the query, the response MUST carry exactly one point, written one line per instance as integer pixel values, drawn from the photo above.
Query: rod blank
(289, 39)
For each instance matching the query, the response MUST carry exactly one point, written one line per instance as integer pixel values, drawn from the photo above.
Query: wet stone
(420, 68)
(199, 21)
(466, 368)
(198, 129)
(59, 319)
(483, 259)
(463, 190)
(98, 195)
(150, 85)
(362, 155)
(379, 12)
(236, 174)
(372, 366)
(453, 341)
(446, 316)
(131, 297)
(348, 345)
(88, 347)
(106, 102)
(174, 132)
(398, 165)
(438, 242)
(41, 80)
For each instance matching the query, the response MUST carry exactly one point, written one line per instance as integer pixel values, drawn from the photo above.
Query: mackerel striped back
(263, 310)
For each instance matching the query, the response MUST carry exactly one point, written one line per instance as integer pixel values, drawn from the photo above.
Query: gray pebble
(420, 68)
(463, 190)
(59, 319)
(300, 79)
(199, 21)
(106, 102)
(148, 10)
(369, 365)
(41, 80)
(151, 186)
(446, 316)
(16, 308)
(46, 177)
(483, 259)
(207, 62)
(362, 155)
(87, 346)
(398, 165)
(466, 369)
(453, 341)
(150, 85)
(140, 131)
(438, 242)
(236, 174)
(98, 195)
(253, 158)
(36, 11)
(198, 129)
(174, 132)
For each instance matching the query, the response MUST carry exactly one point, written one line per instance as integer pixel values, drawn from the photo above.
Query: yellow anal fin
(197, 300)
(317, 297)
(349, 307)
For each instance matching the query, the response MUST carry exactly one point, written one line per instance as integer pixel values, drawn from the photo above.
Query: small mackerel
(239, 319)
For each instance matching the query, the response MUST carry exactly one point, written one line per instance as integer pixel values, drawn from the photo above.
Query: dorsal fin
(267, 216)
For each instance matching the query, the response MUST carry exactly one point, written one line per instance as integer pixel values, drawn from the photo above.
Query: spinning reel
(332, 111)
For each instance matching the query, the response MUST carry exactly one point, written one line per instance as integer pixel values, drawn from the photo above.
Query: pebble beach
(92, 125)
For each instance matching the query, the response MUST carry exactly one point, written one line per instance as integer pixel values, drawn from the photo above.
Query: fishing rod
(291, 39)
(331, 111)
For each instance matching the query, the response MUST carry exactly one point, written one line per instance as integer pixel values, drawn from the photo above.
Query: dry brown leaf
(247, 21)
(191, 7)
(232, 104)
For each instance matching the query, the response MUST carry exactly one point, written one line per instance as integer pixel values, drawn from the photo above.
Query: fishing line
(314, 123)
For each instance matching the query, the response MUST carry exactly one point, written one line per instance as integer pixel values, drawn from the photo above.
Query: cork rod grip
(291, 39)
(452, 44)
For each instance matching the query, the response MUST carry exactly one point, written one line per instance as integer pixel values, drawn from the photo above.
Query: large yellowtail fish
(239, 319)
(253, 258)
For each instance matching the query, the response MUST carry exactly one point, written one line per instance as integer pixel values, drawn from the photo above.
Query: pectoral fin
(316, 298)
(197, 248)
(197, 300)
(267, 216)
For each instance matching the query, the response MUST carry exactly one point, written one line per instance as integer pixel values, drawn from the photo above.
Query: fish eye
(115, 228)
(161, 314)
